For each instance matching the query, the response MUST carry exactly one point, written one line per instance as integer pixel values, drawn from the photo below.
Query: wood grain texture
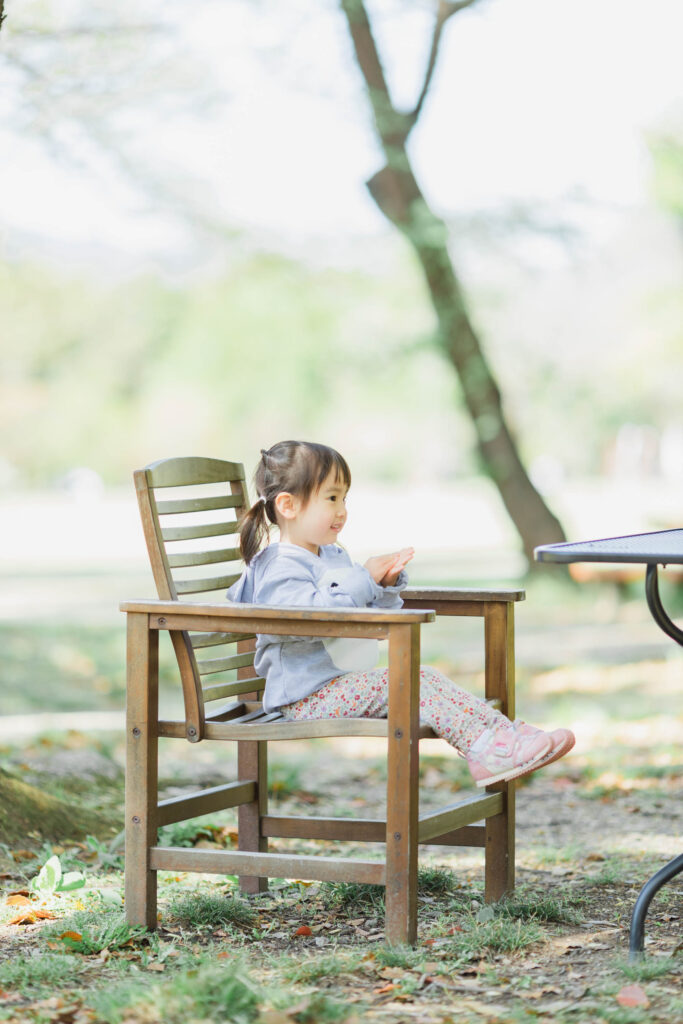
(268, 614)
(451, 594)
(499, 872)
(281, 730)
(142, 712)
(402, 784)
(188, 472)
(268, 865)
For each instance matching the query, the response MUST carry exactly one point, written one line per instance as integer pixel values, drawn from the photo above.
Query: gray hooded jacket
(286, 574)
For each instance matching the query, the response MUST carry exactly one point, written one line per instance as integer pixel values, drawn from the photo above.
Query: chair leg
(402, 785)
(141, 770)
(499, 639)
(499, 871)
(252, 764)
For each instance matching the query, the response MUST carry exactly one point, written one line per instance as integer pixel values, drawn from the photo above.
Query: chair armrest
(457, 600)
(296, 621)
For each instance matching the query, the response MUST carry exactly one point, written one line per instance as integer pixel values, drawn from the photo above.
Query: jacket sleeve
(390, 597)
(289, 583)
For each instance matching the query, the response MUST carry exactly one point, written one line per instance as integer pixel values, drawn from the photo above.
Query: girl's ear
(286, 505)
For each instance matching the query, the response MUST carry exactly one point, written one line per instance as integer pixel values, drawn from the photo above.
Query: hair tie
(262, 499)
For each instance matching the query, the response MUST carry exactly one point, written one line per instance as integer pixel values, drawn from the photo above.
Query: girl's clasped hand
(385, 569)
(302, 490)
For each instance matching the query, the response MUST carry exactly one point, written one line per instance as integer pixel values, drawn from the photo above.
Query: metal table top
(660, 548)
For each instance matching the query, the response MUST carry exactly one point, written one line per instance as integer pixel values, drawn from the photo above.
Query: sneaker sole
(520, 769)
(554, 754)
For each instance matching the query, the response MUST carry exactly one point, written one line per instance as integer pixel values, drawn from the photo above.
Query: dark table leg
(665, 874)
(656, 607)
(674, 867)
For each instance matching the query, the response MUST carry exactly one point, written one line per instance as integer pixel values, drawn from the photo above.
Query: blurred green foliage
(112, 374)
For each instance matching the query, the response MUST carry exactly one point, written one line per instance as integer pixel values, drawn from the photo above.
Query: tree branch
(391, 124)
(444, 11)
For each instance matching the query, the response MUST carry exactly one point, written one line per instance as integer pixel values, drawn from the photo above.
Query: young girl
(302, 490)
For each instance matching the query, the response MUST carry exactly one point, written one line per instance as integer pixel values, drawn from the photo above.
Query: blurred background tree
(220, 334)
(398, 195)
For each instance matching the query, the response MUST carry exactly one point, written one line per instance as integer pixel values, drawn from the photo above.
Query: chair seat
(247, 720)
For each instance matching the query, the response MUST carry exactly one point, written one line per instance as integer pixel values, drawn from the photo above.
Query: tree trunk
(398, 195)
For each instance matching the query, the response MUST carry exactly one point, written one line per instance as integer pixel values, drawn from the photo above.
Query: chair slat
(257, 717)
(187, 558)
(199, 586)
(210, 665)
(194, 532)
(214, 639)
(189, 472)
(219, 690)
(168, 508)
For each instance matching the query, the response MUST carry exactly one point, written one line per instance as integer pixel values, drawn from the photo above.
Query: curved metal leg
(657, 608)
(637, 936)
(675, 866)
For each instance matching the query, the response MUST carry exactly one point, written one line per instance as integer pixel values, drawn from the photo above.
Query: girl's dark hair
(298, 467)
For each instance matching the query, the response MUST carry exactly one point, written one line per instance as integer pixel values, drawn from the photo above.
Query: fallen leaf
(23, 855)
(155, 967)
(384, 988)
(633, 995)
(32, 916)
(74, 936)
(303, 930)
(18, 900)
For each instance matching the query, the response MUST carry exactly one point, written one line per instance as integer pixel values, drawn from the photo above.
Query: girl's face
(319, 521)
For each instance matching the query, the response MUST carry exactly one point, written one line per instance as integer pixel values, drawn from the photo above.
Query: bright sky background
(534, 100)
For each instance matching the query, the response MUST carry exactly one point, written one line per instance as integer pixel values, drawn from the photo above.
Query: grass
(203, 910)
(647, 969)
(353, 896)
(315, 968)
(538, 906)
(501, 935)
(435, 881)
(39, 974)
(398, 956)
(87, 932)
(212, 992)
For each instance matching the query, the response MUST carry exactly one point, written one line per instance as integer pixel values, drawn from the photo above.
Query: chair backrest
(190, 509)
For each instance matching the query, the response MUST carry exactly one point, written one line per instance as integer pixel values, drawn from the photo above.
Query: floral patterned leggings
(454, 714)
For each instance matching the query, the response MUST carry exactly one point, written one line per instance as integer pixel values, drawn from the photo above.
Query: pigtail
(254, 530)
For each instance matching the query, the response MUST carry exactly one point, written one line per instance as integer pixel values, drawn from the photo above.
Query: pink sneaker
(562, 741)
(506, 753)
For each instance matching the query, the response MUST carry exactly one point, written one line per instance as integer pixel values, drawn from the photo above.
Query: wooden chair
(208, 496)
